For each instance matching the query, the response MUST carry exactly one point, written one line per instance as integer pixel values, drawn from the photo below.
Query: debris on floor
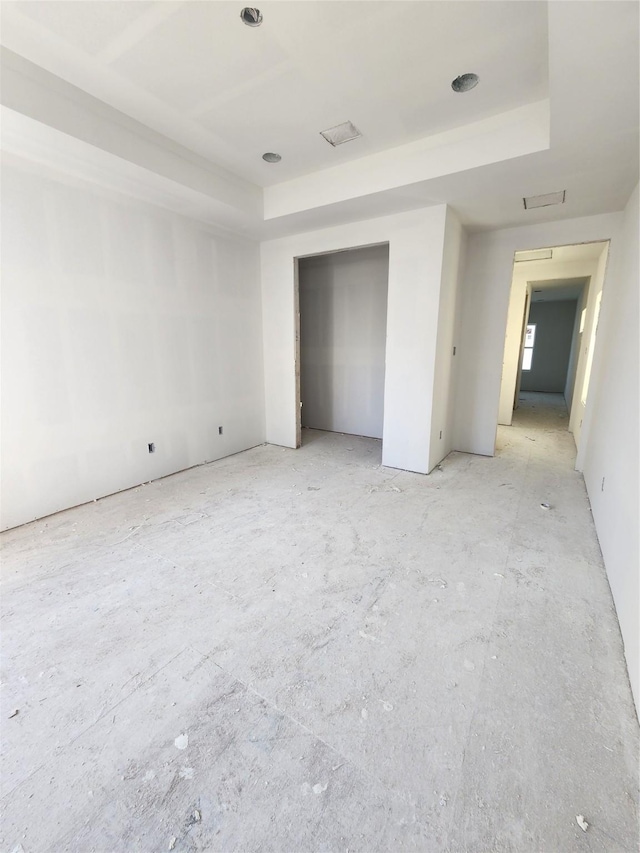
(432, 694)
(582, 823)
(14, 713)
(545, 506)
(182, 741)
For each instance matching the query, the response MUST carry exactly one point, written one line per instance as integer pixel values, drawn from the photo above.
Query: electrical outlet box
(152, 447)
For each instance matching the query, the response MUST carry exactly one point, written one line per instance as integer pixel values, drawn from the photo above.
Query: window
(529, 340)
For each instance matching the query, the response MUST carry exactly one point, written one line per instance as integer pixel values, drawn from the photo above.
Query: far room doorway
(342, 318)
(551, 334)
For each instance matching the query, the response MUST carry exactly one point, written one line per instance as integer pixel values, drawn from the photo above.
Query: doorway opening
(551, 334)
(341, 300)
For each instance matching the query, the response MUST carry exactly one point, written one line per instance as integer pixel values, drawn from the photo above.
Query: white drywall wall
(448, 332)
(343, 331)
(609, 452)
(415, 266)
(122, 324)
(485, 295)
(554, 323)
(587, 343)
(576, 338)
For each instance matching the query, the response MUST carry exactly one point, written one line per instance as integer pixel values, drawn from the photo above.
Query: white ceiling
(214, 94)
(557, 290)
(195, 72)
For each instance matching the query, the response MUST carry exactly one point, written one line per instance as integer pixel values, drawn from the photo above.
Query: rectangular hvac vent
(544, 200)
(534, 255)
(341, 133)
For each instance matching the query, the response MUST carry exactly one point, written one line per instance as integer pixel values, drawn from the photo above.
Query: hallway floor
(303, 651)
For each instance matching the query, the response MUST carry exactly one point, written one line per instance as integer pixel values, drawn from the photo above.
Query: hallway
(541, 411)
(302, 650)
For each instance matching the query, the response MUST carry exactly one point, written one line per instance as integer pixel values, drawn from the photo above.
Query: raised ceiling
(180, 100)
(194, 72)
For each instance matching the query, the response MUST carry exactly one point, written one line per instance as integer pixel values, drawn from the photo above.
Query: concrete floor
(303, 651)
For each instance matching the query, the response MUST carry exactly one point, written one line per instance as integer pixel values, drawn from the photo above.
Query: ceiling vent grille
(534, 255)
(341, 133)
(544, 200)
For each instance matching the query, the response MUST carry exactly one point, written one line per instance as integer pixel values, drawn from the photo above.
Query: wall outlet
(440, 433)
(152, 447)
(602, 486)
(219, 430)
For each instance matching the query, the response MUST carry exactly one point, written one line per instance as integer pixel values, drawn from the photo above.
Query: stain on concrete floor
(304, 651)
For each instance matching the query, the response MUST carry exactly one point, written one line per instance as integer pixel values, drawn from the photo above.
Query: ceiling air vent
(534, 255)
(341, 133)
(544, 200)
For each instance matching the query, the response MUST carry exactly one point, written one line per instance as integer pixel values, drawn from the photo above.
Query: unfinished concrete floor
(303, 651)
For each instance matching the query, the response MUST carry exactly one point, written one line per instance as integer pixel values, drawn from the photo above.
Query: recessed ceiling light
(544, 200)
(251, 17)
(465, 82)
(271, 157)
(534, 255)
(341, 133)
